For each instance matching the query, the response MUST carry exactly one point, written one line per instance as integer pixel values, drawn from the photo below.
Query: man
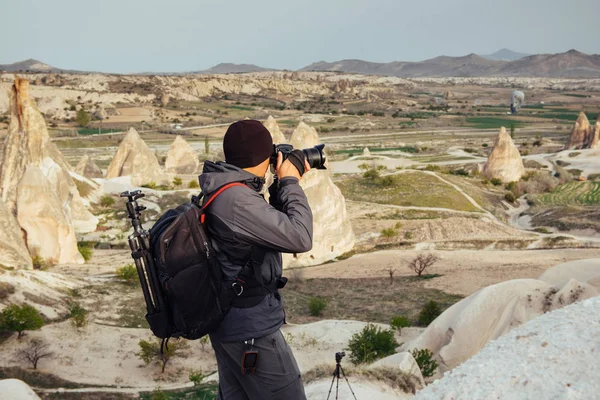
(244, 229)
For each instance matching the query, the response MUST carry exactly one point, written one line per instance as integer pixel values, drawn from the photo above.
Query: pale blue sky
(183, 35)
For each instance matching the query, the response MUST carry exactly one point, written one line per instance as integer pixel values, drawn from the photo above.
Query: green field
(492, 122)
(96, 131)
(584, 193)
(407, 189)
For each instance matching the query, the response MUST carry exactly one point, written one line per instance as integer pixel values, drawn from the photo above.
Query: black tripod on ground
(336, 375)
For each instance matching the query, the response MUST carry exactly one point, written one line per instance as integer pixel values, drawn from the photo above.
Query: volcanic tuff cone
(13, 252)
(88, 168)
(332, 232)
(504, 162)
(581, 134)
(181, 158)
(595, 137)
(273, 127)
(134, 158)
(29, 154)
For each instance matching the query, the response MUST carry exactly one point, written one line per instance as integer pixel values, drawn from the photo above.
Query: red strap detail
(221, 190)
(202, 219)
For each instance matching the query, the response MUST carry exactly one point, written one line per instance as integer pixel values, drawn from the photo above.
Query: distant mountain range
(501, 63)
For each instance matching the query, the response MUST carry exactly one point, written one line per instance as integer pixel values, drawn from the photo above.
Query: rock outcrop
(332, 231)
(16, 390)
(88, 168)
(504, 162)
(584, 135)
(49, 232)
(273, 127)
(135, 159)
(463, 329)
(13, 252)
(366, 152)
(181, 158)
(28, 147)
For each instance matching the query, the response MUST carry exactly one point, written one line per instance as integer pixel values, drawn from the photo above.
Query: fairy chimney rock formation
(366, 152)
(30, 156)
(332, 231)
(273, 127)
(13, 252)
(181, 158)
(135, 159)
(581, 134)
(504, 162)
(595, 140)
(88, 168)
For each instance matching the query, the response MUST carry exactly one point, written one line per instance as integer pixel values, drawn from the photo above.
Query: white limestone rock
(273, 127)
(88, 168)
(15, 389)
(13, 252)
(135, 159)
(504, 162)
(181, 158)
(404, 361)
(332, 231)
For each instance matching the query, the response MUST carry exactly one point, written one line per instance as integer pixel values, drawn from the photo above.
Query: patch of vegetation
(316, 305)
(364, 299)
(207, 391)
(584, 193)
(107, 201)
(399, 322)
(85, 249)
(128, 274)
(16, 318)
(425, 361)
(371, 344)
(150, 352)
(430, 311)
(78, 314)
(6, 289)
(39, 263)
(421, 262)
(388, 232)
(491, 122)
(193, 184)
(407, 189)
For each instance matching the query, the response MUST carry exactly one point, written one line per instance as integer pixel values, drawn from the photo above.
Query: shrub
(386, 180)
(594, 177)
(460, 172)
(15, 318)
(34, 352)
(389, 232)
(496, 181)
(371, 174)
(177, 181)
(399, 322)
(83, 118)
(158, 394)
(429, 312)
(150, 185)
(128, 273)
(193, 184)
(107, 200)
(510, 197)
(6, 289)
(85, 249)
(424, 358)
(77, 314)
(38, 262)
(316, 305)
(196, 376)
(150, 352)
(484, 145)
(432, 167)
(408, 235)
(371, 344)
(421, 262)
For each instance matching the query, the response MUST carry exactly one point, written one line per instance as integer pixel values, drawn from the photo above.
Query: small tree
(15, 318)
(78, 315)
(34, 352)
(177, 181)
(196, 376)
(316, 305)
(371, 344)
(421, 262)
(430, 311)
(204, 341)
(391, 272)
(399, 322)
(425, 361)
(150, 352)
(83, 118)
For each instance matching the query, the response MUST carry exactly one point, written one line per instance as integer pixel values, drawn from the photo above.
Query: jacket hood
(216, 174)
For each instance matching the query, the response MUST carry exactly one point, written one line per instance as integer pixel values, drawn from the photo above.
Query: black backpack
(188, 297)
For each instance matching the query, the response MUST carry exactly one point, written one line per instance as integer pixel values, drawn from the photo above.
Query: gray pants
(277, 376)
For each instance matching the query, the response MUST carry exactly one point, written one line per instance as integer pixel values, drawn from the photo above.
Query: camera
(314, 155)
(339, 356)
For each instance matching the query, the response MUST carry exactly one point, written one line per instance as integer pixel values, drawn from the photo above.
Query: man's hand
(285, 169)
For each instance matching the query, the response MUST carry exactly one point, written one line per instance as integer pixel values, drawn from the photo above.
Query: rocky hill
(570, 64)
(30, 65)
(229, 68)
(505, 55)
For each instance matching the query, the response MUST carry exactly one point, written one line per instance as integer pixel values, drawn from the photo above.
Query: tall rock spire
(504, 162)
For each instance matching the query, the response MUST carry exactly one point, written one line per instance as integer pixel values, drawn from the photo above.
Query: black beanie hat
(247, 143)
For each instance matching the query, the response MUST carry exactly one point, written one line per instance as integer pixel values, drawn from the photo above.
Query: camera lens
(315, 157)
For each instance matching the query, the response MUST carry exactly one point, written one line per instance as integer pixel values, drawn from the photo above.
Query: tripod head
(339, 356)
(133, 208)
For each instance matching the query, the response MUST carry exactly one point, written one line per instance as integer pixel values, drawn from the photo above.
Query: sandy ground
(464, 271)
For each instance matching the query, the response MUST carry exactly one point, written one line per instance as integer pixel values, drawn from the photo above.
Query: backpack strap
(214, 196)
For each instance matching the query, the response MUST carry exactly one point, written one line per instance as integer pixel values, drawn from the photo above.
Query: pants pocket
(277, 350)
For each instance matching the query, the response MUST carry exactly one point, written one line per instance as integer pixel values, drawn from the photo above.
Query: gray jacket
(241, 218)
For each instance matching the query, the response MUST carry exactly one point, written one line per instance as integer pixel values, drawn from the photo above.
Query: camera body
(339, 356)
(314, 155)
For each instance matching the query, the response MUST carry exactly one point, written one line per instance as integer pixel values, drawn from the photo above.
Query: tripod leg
(331, 387)
(348, 382)
(150, 308)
